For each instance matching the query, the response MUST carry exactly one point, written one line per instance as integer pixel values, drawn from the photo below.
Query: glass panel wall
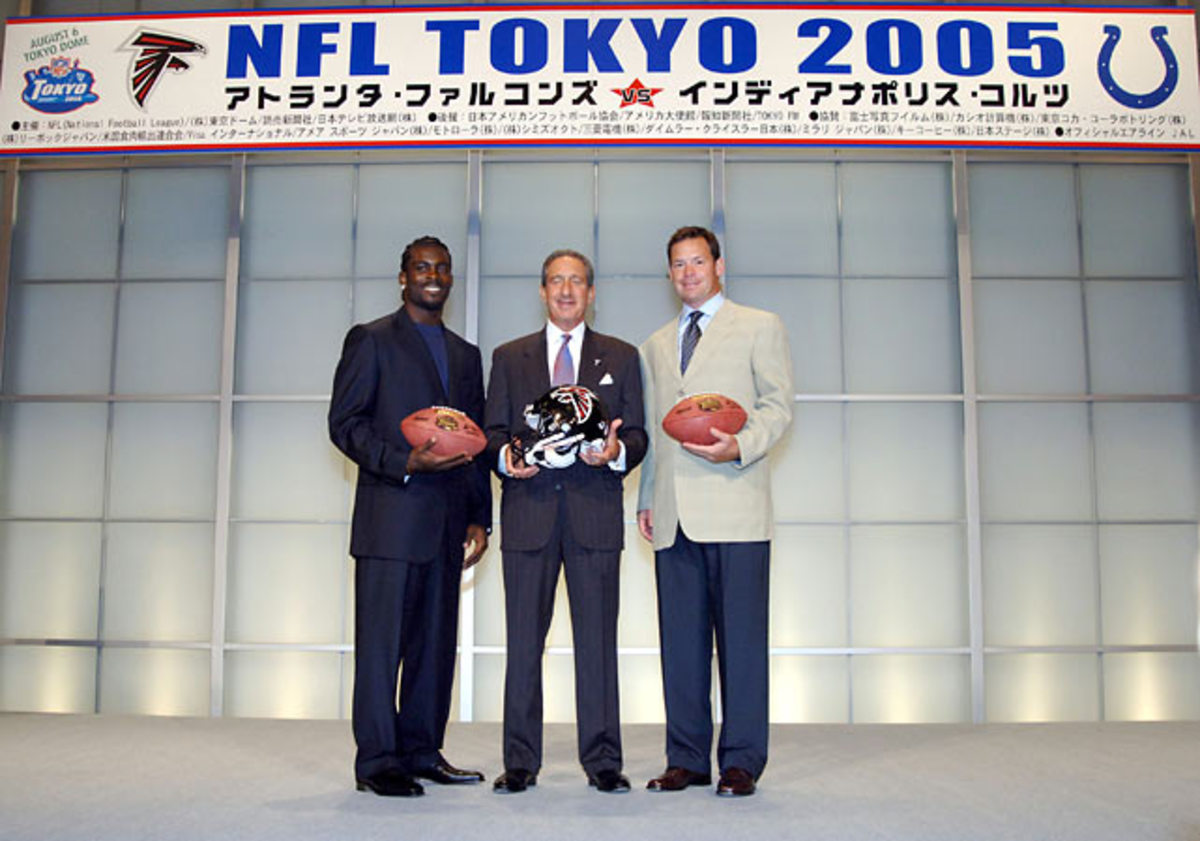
(1088, 467)
(140, 573)
(110, 426)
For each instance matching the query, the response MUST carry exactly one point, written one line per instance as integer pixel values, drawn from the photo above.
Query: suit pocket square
(606, 379)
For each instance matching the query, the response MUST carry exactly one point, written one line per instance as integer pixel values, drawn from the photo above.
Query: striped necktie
(691, 337)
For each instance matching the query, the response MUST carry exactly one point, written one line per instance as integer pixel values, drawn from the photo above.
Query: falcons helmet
(560, 422)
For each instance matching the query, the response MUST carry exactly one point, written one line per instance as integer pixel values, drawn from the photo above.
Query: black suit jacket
(385, 374)
(529, 507)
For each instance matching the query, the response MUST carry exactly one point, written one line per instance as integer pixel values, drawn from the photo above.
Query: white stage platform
(106, 778)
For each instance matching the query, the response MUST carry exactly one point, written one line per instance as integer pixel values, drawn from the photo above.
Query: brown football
(691, 420)
(452, 430)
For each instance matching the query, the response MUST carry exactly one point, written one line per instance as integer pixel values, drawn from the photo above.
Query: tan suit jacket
(743, 354)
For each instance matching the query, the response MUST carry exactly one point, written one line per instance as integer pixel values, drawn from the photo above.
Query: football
(691, 420)
(452, 430)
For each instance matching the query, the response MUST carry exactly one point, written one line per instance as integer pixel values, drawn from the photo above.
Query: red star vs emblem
(637, 94)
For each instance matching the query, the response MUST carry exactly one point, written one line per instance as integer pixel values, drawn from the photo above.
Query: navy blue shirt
(435, 340)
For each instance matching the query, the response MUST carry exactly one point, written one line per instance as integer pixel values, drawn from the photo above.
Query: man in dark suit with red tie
(419, 521)
(569, 518)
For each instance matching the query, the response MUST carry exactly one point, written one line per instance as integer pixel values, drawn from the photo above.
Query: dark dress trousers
(406, 537)
(570, 518)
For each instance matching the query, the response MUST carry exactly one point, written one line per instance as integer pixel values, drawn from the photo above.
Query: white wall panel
(489, 594)
(637, 623)
(1034, 462)
(398, 203)
(896, 220)
(298, 222)
(47, 679)
(1042, 687)
(162, 461)
(810, 690)
(52, 464)
(1030, 204)
(808, 466)
(1149, 686)
(149, 681)
(513, 309)
(808, 587)
(641, 689)
(631, 308)
(905, 461)
(487, 700)
(1146, 461)
(1148, 584)
(61, 339)
(901, 336)
(80, 208)
(169, 338)
(1029, 337)
(811, 311)
(1039, 585)
(530, 210)
(176, 223)
(158, 582)
(781, 218)
(641, 205)
(49, 580)
(285, 583)
(284, 466)
(282, 684)
(908, 586)
(290, 335)
(1135, 220)
(1141, 336)
(910, 689)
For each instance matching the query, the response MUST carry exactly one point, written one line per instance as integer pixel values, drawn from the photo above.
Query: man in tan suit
(707, 510)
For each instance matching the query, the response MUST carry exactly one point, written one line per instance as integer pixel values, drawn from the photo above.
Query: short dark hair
(418, 243)
(568, 252)
(695, 232)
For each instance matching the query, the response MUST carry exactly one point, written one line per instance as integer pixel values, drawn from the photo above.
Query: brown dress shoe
(676, 778)
(735, 782)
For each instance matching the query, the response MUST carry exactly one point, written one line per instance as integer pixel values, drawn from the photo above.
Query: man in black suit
(567, 518)
(415, 515)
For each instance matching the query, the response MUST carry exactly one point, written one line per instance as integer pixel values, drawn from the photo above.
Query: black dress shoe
(676, 778)
(609, 781)
(390, 783)
(443, 773)
(514, 781)
(735, 782)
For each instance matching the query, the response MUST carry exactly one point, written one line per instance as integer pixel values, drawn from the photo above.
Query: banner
(636, 74)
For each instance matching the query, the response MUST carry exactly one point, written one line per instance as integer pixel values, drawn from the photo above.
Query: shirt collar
(708, 308)
(554, 333)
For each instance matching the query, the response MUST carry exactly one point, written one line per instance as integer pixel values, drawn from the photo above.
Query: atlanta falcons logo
(155, 52)
(577, 397)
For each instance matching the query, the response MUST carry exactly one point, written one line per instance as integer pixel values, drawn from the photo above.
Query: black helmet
(561, 420)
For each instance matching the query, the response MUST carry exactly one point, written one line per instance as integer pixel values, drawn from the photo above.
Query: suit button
(558, 487)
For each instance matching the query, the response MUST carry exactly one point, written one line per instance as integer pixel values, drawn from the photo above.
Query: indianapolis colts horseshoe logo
(1135, 100)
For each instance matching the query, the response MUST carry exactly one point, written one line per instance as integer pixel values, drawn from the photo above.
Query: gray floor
(100, 778)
